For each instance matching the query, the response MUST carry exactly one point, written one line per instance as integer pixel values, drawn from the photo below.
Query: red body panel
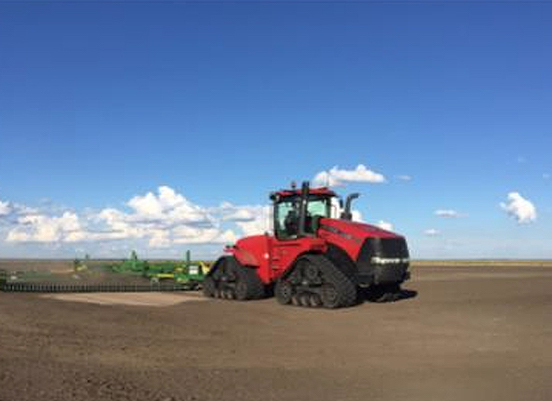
(272, 257)
(252, 251)
(284, 253)
(350, 235)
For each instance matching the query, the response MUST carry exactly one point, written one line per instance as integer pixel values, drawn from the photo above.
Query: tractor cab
(297, 213)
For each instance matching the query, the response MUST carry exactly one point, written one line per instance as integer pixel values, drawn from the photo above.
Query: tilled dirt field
(476, 333)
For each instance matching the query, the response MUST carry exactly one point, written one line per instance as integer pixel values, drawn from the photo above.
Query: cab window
(286, 220)
(286, 215)
(316, 209)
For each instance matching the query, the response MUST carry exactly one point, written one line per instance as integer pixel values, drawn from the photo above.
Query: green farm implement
(187, 272)
(130, 275)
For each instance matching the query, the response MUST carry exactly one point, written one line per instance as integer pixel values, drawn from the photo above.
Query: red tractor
(312, 259)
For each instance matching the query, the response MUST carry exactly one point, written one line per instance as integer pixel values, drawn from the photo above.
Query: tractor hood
(360, 240)
(356, 230)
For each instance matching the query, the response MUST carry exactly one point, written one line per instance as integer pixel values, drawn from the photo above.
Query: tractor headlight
(377, 260)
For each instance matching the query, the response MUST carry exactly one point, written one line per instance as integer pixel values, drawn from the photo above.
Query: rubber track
(255, 287)
(70, 288)
(332, 274)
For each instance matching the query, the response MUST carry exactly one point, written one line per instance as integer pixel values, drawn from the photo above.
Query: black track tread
(345, 286)
(211, 275)
(343, 262)
(255, 287)
(209, 287)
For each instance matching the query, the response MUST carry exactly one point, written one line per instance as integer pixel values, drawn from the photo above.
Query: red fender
(245, 258)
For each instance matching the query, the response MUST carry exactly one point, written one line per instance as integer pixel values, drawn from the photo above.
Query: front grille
(383, 248)
(388, 248)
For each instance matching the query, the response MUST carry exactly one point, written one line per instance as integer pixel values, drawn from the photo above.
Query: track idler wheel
(329, 296)
(283, 291)
(315, 300)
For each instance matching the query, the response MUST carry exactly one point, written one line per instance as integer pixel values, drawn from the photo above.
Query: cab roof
(322, 191)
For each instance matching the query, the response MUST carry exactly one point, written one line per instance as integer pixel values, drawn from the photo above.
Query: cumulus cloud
(195, 235)
(41, 228)
(432, 232)
(167, 207)
(384, 225)
(4, 208)
(519, 208)
(404, 177)
(339, 177)
(357, 215)
(251, 219)
(449, 213)
(159, 219)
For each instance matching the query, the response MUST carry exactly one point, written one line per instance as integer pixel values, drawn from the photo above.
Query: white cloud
(167, 206)
(160, 219)
(384, 225)
(338, 177)
(251, 219)
(194, 235)
(519, 208)
(432, 232)
(5, 208)
(357, 216)
(449, 213)
(404, 177)
(160, 239)
(230, 212)
(41, 228)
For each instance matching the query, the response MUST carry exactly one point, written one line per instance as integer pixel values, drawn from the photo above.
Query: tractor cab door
(287, 244)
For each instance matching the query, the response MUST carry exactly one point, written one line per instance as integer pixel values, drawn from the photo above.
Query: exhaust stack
(346, 214)
(303, 202)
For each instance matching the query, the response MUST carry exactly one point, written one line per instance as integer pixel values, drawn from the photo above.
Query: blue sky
(101, 103)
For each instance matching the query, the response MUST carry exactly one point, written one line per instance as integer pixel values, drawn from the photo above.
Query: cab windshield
(286, 215)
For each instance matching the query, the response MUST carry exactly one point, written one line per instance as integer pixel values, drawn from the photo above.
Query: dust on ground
(158, 299)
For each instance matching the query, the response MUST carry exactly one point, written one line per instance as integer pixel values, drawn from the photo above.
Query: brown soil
(469, 334)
